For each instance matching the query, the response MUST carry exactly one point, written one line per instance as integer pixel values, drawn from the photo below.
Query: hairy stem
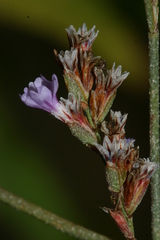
(48, 217)
(151, 7)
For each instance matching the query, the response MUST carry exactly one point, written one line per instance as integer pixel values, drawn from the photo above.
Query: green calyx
(106, 109)
(112, 177)
(74, 86)
(85, 135)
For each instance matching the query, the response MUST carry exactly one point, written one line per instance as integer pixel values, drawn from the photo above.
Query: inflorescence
(91, 92)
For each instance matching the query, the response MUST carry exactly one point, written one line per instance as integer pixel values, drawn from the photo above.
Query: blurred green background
(39, 158)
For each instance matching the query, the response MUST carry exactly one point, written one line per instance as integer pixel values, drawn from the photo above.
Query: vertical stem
(152, 19)
(154, 137)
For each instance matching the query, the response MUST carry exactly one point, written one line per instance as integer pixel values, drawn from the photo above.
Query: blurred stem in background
(153, 35)
(49, 218)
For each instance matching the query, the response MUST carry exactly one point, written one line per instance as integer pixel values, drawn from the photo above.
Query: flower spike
(91, 91)
(127, 175)
(136, 183)
(115, 126)
(103, 95)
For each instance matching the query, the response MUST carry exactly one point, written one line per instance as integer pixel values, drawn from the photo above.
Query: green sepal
(86, 136)
(106, 109)
(74, 85)
(89, 118)
(123, 174)
(129, 219)
(112, 173)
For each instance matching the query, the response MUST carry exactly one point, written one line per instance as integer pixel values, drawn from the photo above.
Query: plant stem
(152, 19)
(49, 218)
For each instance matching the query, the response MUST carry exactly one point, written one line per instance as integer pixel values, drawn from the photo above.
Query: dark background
(39, 158)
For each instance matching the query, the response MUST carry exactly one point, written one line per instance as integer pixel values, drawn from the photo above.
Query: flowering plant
(91, 92)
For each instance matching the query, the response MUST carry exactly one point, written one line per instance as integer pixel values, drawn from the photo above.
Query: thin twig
(151, 7)
(48, 217)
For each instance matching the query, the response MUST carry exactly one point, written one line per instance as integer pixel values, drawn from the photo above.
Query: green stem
(49, 218)
(152, 19)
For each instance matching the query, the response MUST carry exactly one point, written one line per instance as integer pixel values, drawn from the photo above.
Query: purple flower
(42, 94)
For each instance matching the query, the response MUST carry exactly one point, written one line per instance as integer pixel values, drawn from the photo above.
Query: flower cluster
(127, 175)
(91, 91)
